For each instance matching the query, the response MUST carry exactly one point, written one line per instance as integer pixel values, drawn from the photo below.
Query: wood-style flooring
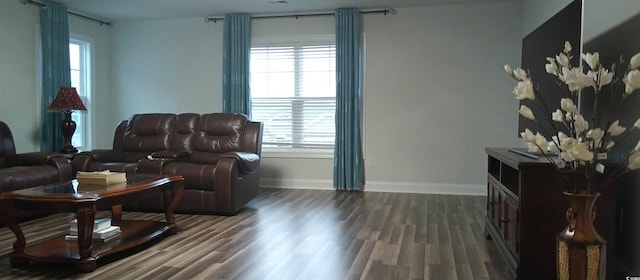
(299, 234)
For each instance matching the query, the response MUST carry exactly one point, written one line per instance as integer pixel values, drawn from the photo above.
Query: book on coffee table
(105, 177)
(102, 235)
(98, 225)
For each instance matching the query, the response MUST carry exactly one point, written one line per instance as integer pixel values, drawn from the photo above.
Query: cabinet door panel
(511, 222)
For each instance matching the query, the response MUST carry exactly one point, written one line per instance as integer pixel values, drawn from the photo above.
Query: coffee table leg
(116, 214)
(176, 195)
(85, 214)
(8, 217)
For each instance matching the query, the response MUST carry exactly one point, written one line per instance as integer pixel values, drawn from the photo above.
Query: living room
(435, 94)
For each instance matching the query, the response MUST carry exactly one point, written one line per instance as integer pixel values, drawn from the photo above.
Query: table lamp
(67, 100)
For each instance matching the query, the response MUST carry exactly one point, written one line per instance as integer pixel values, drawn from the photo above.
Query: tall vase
(580, 250)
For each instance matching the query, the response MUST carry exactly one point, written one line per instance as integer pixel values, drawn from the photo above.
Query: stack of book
(101, 177)
(102, 230)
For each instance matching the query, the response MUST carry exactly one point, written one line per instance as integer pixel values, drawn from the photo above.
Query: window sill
(297, 153)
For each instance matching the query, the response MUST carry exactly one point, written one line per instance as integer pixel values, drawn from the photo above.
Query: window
(79, 54)
(293, 92)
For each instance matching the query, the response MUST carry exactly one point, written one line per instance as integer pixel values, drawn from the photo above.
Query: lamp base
(69, 150)
(68, 127)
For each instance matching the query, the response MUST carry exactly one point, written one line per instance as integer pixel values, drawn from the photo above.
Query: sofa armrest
(64, 167)
(83, 160)
(247, 162)
(43, 158)
(30, 159)
(233, 187)
(156, 161)
(104, 155)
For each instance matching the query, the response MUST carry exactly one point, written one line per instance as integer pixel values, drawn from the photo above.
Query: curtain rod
(44, 6)
(380, 11)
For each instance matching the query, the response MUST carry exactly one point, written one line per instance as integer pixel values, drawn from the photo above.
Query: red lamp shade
(67, 100)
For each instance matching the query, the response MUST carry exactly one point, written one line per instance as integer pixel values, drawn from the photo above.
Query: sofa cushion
(196, 176)
(185, 127)
(217, 133)
(148, 132)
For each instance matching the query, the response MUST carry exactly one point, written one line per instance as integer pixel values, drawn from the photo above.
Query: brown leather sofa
(25, 170)
(218, 154)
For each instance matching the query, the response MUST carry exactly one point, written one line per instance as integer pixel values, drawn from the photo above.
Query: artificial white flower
(637, 124)
(634, 62)
(537, 143)
(567, 105)
(563, 60)
(520, 74)
(574, 150)
(634, 161)
(552, 148)
(508, 69)
(551, 67)
(595, 135)
(580, 124)
(610, 145)
(541, 142)
(568, 117)
(524, 90)
(582, 152)
(592, 59)
(567, 47)
(526, 112)
(632, 81)
(532, 148)
(557, 116)
(601, 78)
(561, 137)
(527, 135)
(576, 79)
(615, 129)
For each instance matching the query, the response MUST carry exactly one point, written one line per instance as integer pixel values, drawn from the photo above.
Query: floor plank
(299, 234)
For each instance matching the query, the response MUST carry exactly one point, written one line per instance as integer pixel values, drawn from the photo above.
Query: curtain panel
(236, 94)
(54, 26)
(348, 168)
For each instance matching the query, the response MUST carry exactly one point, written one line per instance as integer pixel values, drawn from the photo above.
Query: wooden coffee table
(85, 201)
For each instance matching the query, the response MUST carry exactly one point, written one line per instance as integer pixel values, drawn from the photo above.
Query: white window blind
(293, 93)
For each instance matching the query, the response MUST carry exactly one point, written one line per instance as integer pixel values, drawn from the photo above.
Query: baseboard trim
(380, 186)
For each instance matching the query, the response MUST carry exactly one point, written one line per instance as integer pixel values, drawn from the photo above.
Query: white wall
(166, 66)
(435, 91)
(18, 81)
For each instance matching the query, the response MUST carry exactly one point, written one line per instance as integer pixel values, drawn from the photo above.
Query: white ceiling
(158, 9)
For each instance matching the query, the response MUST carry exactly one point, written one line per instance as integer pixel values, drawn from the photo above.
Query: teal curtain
(348, 168)
(54, 26)
(236, 94)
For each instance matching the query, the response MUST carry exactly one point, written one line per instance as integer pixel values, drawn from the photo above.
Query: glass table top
(77, 190)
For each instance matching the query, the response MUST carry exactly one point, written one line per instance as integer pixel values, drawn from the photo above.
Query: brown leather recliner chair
(25, 170)
(134, 140)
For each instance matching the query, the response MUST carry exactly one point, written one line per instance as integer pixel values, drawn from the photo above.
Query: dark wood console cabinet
(526, 209)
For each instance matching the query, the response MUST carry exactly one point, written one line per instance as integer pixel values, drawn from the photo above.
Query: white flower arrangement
(577, 149)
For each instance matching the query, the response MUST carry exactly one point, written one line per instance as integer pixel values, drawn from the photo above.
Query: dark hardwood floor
(299, 234)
